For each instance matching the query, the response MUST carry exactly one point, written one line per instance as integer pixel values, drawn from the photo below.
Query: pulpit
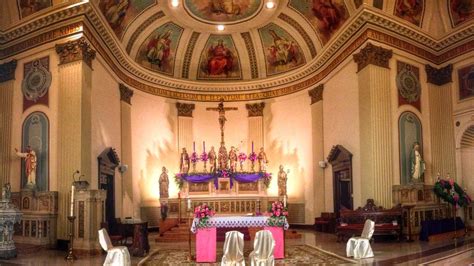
(9, 215)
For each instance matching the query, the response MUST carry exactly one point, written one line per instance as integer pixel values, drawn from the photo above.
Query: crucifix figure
(221, 109)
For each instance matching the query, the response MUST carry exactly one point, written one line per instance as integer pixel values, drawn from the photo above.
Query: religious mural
(35, 151)
(282, 53)
(466, 82)
(158, 50)
(120, 13)
(410, 141)
(326, 16)
(219, 59)
(29, 7)
(408, 85)
(411, 11)
(223, 11)
(460, 11)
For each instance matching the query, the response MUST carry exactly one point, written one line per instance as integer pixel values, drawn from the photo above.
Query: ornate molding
(439, 76)
(125, 94)
(7, 71)
(185, 109)
(372, 55)
(316, 94)
(255, 109)
(75, 50)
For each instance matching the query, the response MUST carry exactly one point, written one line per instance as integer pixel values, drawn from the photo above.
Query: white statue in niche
(417, 163)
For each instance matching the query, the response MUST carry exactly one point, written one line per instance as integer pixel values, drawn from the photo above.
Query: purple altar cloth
(242, 178)
(245, 178)
(200, 178)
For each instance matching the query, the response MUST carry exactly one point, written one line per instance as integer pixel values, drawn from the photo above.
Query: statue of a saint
(212, 159)
(417, 163)
(30, 164)
(164, 183)
(184, 162)
(223, 158)
(6, 192)
(262, 160)
(233, 159)
(282, 178)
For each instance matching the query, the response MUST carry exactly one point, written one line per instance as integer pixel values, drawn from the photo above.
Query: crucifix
(221, 109)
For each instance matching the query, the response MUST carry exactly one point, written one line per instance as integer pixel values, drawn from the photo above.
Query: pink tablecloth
(277, 232)
(206, 245)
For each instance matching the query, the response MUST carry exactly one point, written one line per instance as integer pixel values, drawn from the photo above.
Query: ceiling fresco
(28, 7)
(223, 11)
(460, 11)
(219, 59)
(411, 11)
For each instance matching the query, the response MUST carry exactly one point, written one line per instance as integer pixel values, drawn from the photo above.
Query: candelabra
(70, 255)
(190, 215)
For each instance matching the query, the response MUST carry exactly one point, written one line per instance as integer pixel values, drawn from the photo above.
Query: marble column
(443, 149)
(7, 79)
(319, 182)
(126, 148)
(185, 126)
(74, 121)
(255, 114)
(375, 125)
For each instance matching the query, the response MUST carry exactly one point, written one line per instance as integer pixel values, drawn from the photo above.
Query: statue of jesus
(30, 164)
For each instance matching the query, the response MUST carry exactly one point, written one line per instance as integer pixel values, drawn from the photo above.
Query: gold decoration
(372, 55)
(439, 76)
(185, 109)
(7, 71)
(125, 93)
(255, 109)
(316, 94)
(75, 50)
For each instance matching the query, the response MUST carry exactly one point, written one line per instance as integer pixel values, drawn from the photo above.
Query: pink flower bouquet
(242, 157)
(203, 212)
(194, 157)
(204, 157)
(278, 214)
(252, 156)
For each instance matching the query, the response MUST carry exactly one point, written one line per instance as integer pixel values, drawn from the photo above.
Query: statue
(262, 160)
(417, 163)
(282, 178)
(164, 183)
(184, 162)
(212, 159)
(6, 192)
(223, 158)
(30, 164)
(233, 159)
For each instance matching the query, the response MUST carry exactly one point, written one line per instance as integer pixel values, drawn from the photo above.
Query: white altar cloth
(236, 221)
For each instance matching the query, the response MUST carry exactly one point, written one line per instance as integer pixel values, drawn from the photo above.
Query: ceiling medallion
(36, 82)
(224, 11)
(408, 84)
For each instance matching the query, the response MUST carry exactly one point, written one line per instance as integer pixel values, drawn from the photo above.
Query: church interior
(287, 132)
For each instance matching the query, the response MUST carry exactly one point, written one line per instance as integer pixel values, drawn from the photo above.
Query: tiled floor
(386, 252)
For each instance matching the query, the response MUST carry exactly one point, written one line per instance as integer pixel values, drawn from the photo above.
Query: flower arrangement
(278, 214)
(451, 192)
(203, 212)
(194, 157)
(242, 157)
(252, 157)
(204, 157)
(267, 178)
(178, 180)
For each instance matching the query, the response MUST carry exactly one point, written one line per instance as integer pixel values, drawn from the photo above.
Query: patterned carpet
(298, 255)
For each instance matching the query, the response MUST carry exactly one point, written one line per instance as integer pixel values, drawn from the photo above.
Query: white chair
(359, 247)
(116, 256)
(263, 246)
(233, 249)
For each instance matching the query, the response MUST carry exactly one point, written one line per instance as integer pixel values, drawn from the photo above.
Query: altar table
(206, 236)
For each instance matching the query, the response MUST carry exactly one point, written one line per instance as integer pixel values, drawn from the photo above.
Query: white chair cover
(263, 247)
(233, 249)
(116, 256)
(359, 247)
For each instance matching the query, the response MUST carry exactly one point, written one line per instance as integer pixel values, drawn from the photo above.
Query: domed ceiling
(256, 42)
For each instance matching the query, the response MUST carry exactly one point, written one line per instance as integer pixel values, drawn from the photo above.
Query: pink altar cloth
(206, 245)
(277, 232)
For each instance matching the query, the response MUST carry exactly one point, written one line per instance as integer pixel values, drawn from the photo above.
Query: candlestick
(70, 255)
(189, 204)
(284, 201)
(72, 201)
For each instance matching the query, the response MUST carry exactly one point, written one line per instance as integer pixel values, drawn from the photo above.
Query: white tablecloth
(236, 221)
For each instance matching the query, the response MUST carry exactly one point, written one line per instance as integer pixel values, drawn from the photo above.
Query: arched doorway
(467, 159)
(341, 162)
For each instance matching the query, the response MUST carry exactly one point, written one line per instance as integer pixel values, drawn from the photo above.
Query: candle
(189, 203)
(204, 145)
(72, 200)
(252, 146)
(284, 201)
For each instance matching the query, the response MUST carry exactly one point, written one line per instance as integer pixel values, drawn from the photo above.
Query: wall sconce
(323, 164)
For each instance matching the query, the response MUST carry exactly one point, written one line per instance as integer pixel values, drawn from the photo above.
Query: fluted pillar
(74, 121)
(319, 182)
(376, 125)
(443, 149)
(126, 201)
(185, 125)
(255, 114)
(7, 79)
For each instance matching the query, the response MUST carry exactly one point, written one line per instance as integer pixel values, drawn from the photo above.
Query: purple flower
(252, 156)
(194, 157)
(204, 157)
(242, 157)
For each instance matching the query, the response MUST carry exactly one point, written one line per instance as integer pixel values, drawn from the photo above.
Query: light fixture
(220, 27)
(174, 3)
(270, 4)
